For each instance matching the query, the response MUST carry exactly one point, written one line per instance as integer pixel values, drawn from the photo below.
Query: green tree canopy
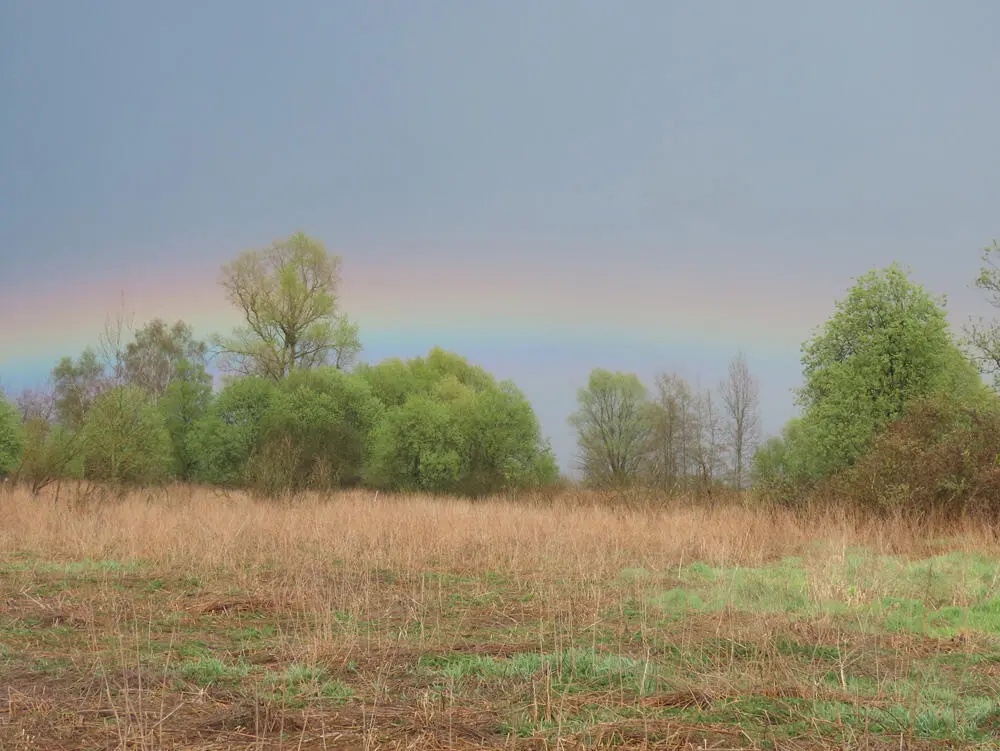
(125, 439)
(221, 443)
(449, 427)
(394, 380)
(11, 437)
(315, 431)
(887, 344)
(418, 446)
(288, 297)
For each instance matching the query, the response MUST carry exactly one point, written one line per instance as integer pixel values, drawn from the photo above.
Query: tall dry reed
(575, 536)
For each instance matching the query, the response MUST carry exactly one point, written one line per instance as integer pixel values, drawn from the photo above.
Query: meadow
(191, 618)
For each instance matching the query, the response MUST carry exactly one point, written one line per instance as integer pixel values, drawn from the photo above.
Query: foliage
(418, 447)
(786, 464)
(160, 354)
(125, 439)
(222, 442)
(504, 446)
(51, 453)
(185, 400)
(450, 427)
(394, 380)
(314, 432)
(76, 385)
(887, 345)
(941, 458)
(287, 294)
(11, 437)
(613, 428)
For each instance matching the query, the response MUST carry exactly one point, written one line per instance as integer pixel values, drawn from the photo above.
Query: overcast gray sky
(543, 186)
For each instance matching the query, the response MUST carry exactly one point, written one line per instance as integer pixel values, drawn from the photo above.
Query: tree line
(676, 439)
(295, 410)
(894, 411)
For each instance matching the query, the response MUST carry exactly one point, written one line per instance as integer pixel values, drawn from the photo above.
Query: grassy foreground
(188, 619)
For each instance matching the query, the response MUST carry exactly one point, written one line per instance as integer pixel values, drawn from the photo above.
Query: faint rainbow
(461, 302)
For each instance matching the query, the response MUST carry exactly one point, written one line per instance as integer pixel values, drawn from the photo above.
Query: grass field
(188, 619)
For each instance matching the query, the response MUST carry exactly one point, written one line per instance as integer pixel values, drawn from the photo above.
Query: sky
(544, 187)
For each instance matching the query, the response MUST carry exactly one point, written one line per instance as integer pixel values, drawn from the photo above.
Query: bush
(51, 453)
(314, 433)
(11, 437)
(221, 443)
(125, 439)
(450, 427)
(942, 459)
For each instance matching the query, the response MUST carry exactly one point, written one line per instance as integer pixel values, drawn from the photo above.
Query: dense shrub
(125, 439)
(222, 442)
(450, 427)
(314, 432)
(941, 458)
(51, 453)
(11, 437)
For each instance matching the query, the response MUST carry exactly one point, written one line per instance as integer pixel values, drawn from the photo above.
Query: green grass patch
(938, 596)
(75, 568)
(209, 671)
(569, 670)
(300, 683)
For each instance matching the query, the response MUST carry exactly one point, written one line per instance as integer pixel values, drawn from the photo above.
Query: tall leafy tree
(613, 428)
(505, 447)
(887, 345)
(160, 354)
(76, 385)
(674, 434)
(288, 297)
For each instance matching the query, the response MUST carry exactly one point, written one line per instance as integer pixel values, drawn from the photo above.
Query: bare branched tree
(36, 405)
(76, 385)
(741, 400)
(982, 338)
(111, 343)
(709, 447)
(674, 434)
(613, 428)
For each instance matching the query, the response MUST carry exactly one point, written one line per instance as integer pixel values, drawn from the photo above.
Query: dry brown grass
(367, 587)
(578, 535)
